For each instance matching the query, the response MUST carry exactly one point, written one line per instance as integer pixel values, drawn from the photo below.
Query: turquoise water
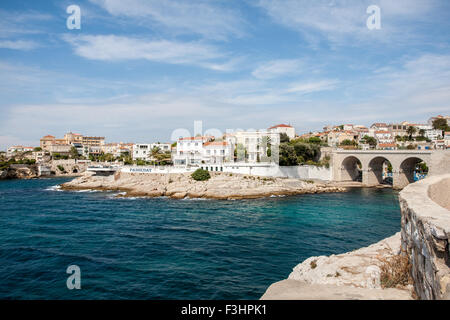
(173, 249)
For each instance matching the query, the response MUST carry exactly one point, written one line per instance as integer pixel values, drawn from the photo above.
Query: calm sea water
(173, 249)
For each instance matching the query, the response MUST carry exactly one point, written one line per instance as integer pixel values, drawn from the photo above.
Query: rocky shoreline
(182, 185)
(352, 275)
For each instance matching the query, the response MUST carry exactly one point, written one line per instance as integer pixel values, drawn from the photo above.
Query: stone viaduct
(347, 165)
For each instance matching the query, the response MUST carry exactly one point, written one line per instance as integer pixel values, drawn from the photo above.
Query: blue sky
(139, 69)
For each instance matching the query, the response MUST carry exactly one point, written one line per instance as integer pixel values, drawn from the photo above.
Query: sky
(137, 70)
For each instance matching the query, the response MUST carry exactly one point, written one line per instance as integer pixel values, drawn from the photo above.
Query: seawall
(425, 235)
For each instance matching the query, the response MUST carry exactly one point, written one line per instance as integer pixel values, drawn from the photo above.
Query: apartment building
(447, 140)
(93, 141)
(335, 138)
(399, 129)
(13, 150)
(384, 137)
(254, 144)
(46, 142)
(71, 138)
(190, 150)
(217, 152)
(283, 128)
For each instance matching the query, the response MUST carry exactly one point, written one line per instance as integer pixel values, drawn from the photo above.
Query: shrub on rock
(200, 175)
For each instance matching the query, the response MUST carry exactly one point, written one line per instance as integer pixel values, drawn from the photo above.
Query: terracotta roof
(215, 143)
(194, 138)
(379, 124)
(382, 145)
(281, 126)
(49, 136)
(382, 131)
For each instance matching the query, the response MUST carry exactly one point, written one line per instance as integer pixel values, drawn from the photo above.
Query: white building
(283, 128)
(447, 140)
(17, 149)
(433, 134)
(254, 143)
(142, 151)
(379, 126)
(190, 150)
(217, 152)
(163, 147)
(384, 137)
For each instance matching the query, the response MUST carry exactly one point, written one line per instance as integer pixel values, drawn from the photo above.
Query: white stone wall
(426, 236)
(264, 170)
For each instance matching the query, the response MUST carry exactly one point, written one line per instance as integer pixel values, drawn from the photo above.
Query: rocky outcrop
(16, 171)
(426, 235)
(352, 275)
(181, 185)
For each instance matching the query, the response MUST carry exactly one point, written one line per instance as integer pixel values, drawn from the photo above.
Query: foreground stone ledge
(351, 275)
(426, 235)
(297, 290)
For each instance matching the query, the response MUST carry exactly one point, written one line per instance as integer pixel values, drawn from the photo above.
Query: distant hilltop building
(447, 118)
(85, 145)
(283, 128)
(17, 149)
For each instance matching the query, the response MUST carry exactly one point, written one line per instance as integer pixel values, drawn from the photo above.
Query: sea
(162, 248)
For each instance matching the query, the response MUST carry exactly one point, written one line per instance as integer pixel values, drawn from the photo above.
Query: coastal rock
(19, 172)
(358, 268)
(181, 185)
(351, 275)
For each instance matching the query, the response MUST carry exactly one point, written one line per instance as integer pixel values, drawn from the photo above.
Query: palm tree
(410, 131)
(154, 152)
(422, 132)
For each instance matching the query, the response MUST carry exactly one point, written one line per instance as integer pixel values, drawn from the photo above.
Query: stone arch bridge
(349, 164)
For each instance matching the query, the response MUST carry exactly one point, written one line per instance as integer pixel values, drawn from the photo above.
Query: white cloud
(117, 48)
(205, 18)
(17, 44)
(19, 22)
(277, 68)
(309, 87)
(342, 20)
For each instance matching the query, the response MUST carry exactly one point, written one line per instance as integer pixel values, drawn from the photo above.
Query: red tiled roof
(380, 124)
(215, 143)
(383, 145)
(194, 138)
(281, 126)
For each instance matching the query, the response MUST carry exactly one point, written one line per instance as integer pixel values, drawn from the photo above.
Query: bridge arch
(407, 168)
(377, 171)
(351, 169)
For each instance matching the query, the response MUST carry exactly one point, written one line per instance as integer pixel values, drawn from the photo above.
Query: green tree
(240, 152)
(411, 131)
(347, 142)
(422, 132)
(441, 124)
(314, 140)
(200, 175)
(74, 153)
(370, 140)
(284, 137)
(288, 156)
